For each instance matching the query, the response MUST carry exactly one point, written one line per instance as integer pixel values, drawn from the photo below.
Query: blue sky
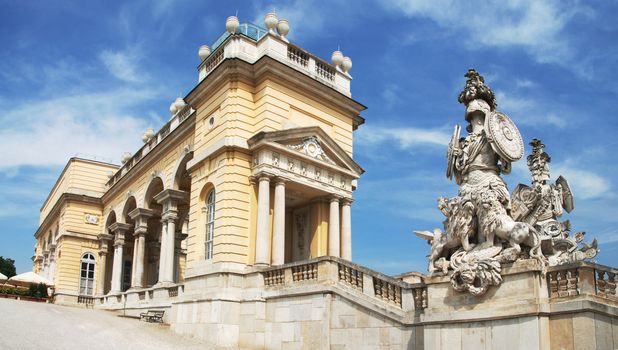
(89, 78)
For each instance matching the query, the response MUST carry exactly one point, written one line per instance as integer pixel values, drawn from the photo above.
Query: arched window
(86, 284)
(210, 222)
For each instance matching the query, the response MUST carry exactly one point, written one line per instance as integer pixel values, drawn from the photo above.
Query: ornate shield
(450, 156)
(504, 137)
(523, 201)
(567, 195)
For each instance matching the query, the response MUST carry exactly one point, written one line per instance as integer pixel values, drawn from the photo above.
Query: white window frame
(86, 283)
(210, 224)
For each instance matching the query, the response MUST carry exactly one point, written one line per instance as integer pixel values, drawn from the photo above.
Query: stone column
(134, 280)
(138, 274)
(170, 245)
(278, 247)
(263, 212)
(163, 249)
(117, 269)
(170, 200)
(101, 277)
(104, 240)
(346, 229)
(119, 230)
(141, 216)
(333, 228)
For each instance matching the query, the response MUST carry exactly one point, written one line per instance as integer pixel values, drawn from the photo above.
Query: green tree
(7, 267)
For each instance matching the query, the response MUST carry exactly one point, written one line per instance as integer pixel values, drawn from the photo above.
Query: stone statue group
(485, 227)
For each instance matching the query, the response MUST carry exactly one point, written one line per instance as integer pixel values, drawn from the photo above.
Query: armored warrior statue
(479, 233)
(483, 229)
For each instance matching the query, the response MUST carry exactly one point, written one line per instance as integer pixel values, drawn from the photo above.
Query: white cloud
(535, 26)
(307, 18)
(528, 110)
(123, 64)
(302, 15)
(404, 138)
(50, 131)
(585, 183)
(525, 83)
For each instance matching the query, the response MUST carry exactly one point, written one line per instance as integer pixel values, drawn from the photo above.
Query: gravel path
(29, 325)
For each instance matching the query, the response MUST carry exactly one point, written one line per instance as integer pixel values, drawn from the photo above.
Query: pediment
(311, 142)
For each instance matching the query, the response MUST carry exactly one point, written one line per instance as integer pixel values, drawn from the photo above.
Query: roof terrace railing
(165, 131)
(255, 42)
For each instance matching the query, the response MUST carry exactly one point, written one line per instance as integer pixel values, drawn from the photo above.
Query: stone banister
(353, 278)
(250, 50)
(582, 278)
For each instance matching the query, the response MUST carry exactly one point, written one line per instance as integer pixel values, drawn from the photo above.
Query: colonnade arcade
(146, 246)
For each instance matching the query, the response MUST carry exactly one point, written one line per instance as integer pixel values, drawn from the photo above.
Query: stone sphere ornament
(231, 24)
(283, 27)
(270, 21)
(173, 108)
(125, 157)
(337, 58)
(203, 52)
(148, 135)
(180, 104)
(346, 65)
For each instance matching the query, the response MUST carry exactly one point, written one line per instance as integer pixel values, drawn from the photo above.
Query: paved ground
(29, 325)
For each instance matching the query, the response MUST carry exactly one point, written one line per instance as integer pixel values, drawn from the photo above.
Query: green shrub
(42, 290)
(13, 291)
(33, 290)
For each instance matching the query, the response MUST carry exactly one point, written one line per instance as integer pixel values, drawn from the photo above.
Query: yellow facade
(243, 124)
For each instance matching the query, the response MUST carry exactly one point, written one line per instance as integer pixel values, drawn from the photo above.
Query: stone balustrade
(85, 300)
(251, 49)
(164, 132)
(149, 296)
(352, 278)
(580, 279)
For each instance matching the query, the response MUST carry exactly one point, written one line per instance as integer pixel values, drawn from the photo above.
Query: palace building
(235, 219)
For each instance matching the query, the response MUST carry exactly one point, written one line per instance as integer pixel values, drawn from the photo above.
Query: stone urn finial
(231, 24)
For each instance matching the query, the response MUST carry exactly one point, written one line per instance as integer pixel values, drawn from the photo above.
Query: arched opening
(155, 187)
(86, 282)
(182, 182)
(182, 178)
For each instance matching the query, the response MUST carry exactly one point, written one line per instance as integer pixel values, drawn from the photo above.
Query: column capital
(105, 237)
(102, 253)
(334, 198)
(140, 231)
(170, 194)
(347, 201)
(280, 181)
(142, 213)
(170, 215)
(262, 176)
(119, 227)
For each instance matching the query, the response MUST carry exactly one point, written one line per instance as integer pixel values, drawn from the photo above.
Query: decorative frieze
(302, 170)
